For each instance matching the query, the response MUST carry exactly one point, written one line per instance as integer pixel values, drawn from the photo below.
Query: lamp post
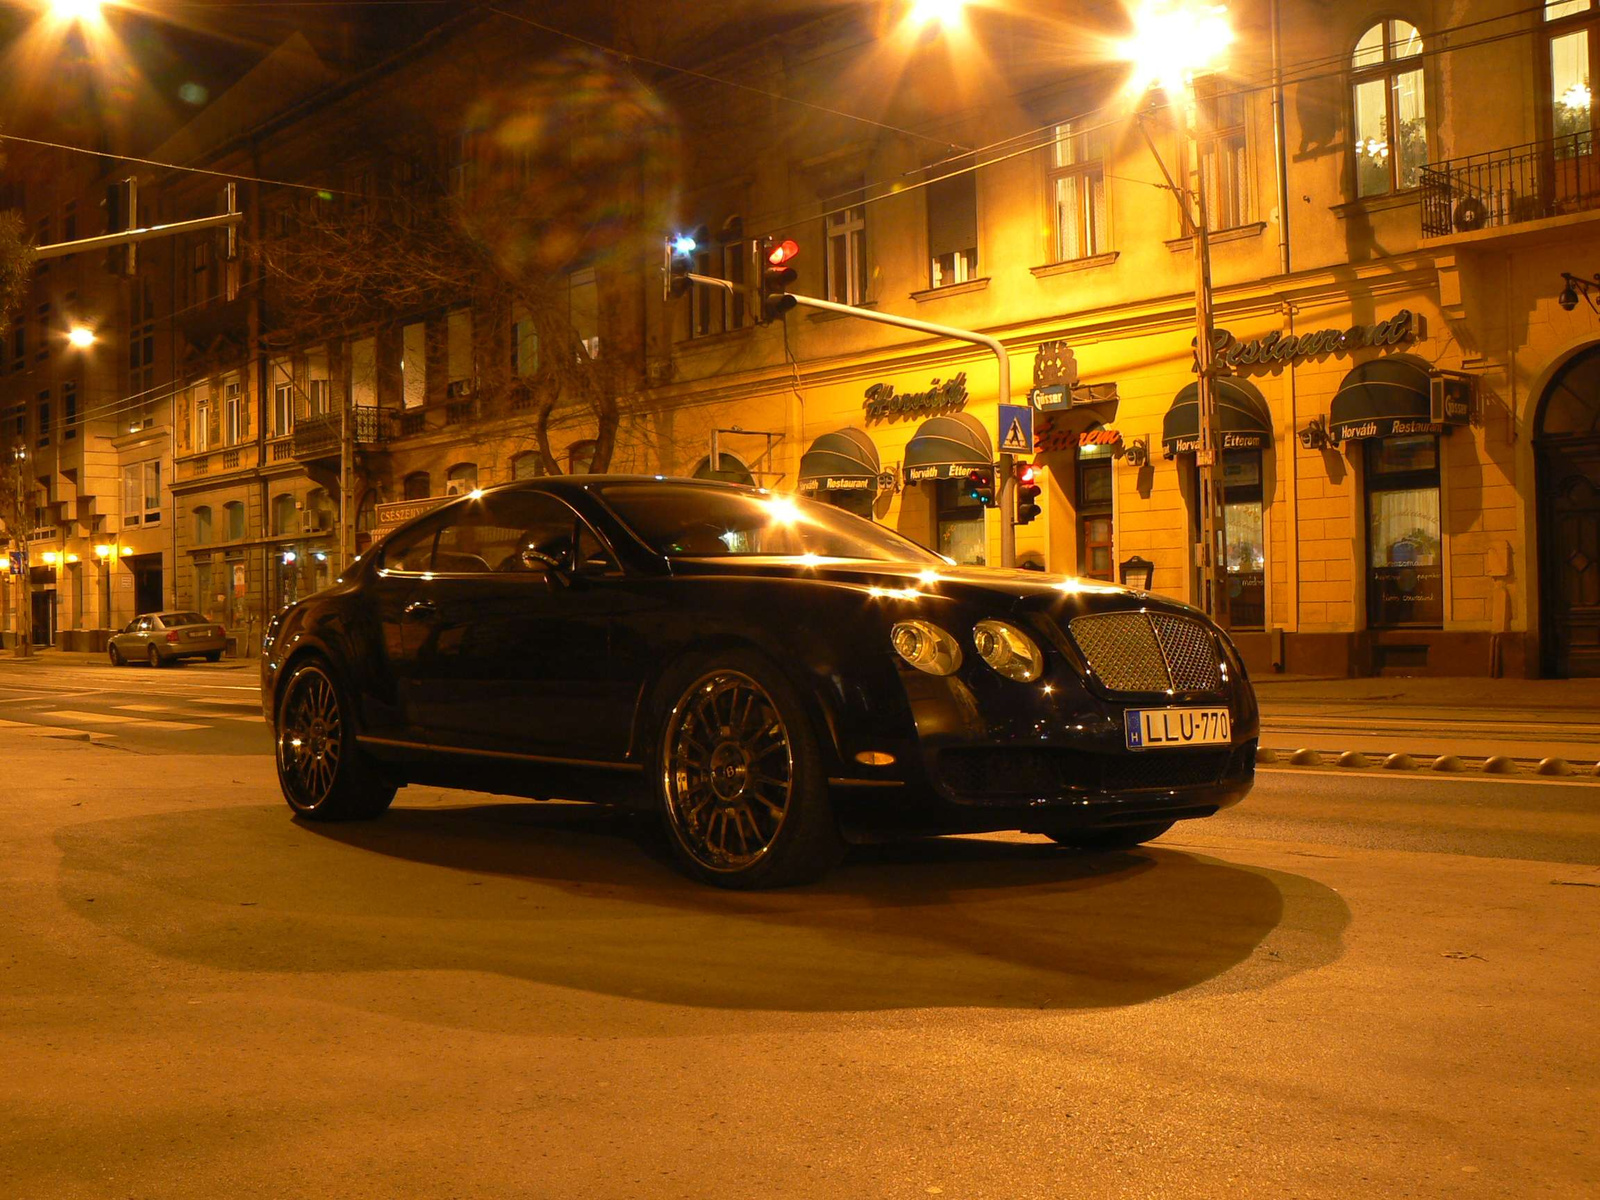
(1173, 42)
(106, 553)
(19, 531)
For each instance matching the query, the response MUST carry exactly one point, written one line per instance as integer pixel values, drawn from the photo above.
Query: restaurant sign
(838, 483)
(883, 403)
(1280, 347)
(1248, 440)
(1049, 440)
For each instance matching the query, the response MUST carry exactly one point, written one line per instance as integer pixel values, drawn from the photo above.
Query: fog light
(874, 758)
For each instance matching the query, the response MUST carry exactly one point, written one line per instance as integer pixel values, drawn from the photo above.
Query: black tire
(730, 824)
(153, 657)
(214, 656)
(1110, 840)
(115, 656)
(323, 774)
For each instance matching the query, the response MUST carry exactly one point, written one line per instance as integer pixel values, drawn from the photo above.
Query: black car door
(512, 650)
(398, 616)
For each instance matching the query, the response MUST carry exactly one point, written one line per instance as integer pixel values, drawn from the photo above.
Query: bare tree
(565, 171)
(16, 468)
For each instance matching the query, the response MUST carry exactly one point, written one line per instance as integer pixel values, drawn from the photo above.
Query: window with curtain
(235, 512)
(462, 477)
(845, 265)
(417, 486)
(1572, 28)
(1405, 574)
(414, 365)
(1077, 192)
(285, 516)
(527, 465)
(202, 525)
(1389, 133)
(953, 229)
(1224, 164)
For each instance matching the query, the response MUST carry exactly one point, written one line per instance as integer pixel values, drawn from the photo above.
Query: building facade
(1408, 390)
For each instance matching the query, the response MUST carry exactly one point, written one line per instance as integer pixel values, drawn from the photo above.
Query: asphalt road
(1351, 985)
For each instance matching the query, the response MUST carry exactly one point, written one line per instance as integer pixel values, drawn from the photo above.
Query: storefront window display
(960, 524)
(1405, 576)
(1244, 539)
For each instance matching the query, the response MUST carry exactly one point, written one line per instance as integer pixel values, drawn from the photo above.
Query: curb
(1547, 767)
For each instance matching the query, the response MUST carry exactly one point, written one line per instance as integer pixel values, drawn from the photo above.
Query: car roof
(562, 483)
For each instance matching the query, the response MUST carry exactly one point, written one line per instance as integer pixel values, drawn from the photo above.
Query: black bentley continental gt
(773, 675)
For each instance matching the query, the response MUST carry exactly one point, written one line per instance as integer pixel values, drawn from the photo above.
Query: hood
(1062, 596)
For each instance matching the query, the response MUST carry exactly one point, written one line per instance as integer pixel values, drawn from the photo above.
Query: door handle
(420, 608)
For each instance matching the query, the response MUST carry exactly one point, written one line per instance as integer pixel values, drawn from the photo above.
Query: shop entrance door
(146, 570)
(1567, 446)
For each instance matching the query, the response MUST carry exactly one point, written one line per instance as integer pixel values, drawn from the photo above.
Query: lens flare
(1173, 41)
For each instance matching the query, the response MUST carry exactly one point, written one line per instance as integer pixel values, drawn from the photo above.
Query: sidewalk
(1469, 717)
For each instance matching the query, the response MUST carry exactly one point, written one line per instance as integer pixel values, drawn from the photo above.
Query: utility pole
(20, 529)
(1208, 457)
(347, 477)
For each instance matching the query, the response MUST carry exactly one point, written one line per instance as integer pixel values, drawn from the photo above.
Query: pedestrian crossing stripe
(1015, 440)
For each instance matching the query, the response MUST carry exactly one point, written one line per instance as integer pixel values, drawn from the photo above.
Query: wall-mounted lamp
(126, 550)
(1138, 452)
(51, 558)
(103, 551)
(1568, 299)
(1316, 435)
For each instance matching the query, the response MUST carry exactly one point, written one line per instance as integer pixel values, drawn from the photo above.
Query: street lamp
(80, 337)
(73, 11)
(1173, 42)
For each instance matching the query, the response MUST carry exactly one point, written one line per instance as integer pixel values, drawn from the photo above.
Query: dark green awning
(1243, 419)
(1383, 397)
(843, 461)
(947, 447)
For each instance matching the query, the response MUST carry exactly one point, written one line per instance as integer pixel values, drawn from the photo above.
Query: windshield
(183, 618)
(707, 522)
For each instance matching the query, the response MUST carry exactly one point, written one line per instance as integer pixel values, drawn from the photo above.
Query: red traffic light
(1025, 472)
(782, 253)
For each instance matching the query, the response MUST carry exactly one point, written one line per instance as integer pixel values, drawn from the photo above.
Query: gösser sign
(1280, 347)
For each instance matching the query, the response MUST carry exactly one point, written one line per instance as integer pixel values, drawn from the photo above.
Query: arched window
(235, 512)
(527, 465)
(462, 477)
(730, 468)
(202, 525)
(1572, 41)
(283, 515)
(1389, 120)
(417, 486)
(367, 512)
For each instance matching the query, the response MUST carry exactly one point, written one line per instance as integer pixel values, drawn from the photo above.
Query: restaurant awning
(1383, 397)
(1243, 419)
(843, 461)
(947, 447)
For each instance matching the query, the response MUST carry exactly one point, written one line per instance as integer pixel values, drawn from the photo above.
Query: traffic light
(122, 214)
(1028, 489)
(980, 485)
(680, 250)
(776, 276)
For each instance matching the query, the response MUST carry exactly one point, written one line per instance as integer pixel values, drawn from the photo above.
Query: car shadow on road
(582, 897)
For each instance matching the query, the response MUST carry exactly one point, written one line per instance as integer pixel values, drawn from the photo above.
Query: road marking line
(1414, 776)
(114, 719)
(146, 708)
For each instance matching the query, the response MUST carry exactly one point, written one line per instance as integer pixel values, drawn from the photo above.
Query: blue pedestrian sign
(1015, 432)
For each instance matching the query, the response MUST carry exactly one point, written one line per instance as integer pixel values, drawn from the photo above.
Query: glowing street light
(74, 11)
(80, 337)
(944, 13)
(1172, 42)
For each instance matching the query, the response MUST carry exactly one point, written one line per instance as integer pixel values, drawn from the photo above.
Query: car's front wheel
(320, 768)
(741, 782)
(1108, 840)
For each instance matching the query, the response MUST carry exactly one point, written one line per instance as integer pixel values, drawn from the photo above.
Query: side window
(506, 532)
(410, 552)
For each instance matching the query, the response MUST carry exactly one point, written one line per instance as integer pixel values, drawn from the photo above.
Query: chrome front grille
(1148, 652)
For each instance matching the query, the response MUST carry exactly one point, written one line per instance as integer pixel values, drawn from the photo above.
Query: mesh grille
(1165, 769)
(1001, 772)
(1131, 652)
(1191, 652)
(1122, 650)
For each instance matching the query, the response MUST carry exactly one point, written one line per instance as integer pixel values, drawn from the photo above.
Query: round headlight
(1008, 650)
(926, 647)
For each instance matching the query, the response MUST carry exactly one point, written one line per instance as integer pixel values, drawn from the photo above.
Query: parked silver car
(163, 638)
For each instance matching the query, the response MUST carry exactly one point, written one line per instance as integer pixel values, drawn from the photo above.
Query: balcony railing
(318, 436)
(1509, 187)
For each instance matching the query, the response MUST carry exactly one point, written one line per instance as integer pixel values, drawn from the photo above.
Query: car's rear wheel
(153, 657)
(320, 768)
(214, 656)
(1107, 840)
(741, 782)
(115, 656)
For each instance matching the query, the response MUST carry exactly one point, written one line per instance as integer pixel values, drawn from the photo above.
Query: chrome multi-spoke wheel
(741, 785)
(318, 764)
(729, 771)
(310, 738)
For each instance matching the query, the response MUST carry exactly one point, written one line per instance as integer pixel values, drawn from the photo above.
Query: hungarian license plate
(1157, 728)
(199, 633)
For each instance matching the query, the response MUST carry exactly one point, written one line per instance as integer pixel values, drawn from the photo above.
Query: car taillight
(220, 632)
(172, 637)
